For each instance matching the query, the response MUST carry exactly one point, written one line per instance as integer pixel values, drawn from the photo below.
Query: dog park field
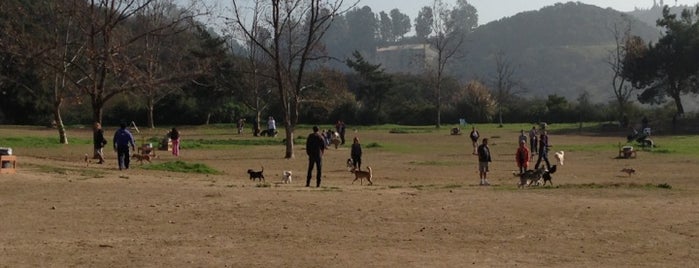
(425, 208)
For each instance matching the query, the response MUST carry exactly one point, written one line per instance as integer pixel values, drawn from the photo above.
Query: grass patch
(183, 167)
(373, 145)
(263, 185)
(452, 186)
(38, 142)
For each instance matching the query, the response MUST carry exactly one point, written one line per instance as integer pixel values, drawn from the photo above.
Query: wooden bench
(8, 164)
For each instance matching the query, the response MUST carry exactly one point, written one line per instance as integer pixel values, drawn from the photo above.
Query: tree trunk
(289, 139)
(63, 137)
(151, 108)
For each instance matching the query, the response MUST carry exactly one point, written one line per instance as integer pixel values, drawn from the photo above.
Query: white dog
(560, 157)
(286, 176)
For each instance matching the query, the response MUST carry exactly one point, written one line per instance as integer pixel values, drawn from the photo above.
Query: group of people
(539, 144)
(123, 141)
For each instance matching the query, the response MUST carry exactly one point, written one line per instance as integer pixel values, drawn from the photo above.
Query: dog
(560, 157)
(142, 157)
(286, 176)
(266, 132)
(530, 176)
(360, 175)
(335, 141)
(350, 164)
(256, 174)
(629, 171)
(87, 160)
(547, 175)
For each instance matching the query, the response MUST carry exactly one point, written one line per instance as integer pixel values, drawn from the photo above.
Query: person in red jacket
(522, 156)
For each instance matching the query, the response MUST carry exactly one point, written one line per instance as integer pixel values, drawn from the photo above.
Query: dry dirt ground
(424, 210)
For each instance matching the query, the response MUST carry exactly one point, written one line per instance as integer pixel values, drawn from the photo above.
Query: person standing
(175, 138)
(532, 141)
(474, 138)
(241, 125)
(122, 140)
(99, 142)
(315, 146)
(483, 160)
(522, 156)
(522, 137)
(271, 127)
(543, 150)
(340, 127)
(356, 154)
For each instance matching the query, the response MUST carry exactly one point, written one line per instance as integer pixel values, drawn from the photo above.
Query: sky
(490, 10)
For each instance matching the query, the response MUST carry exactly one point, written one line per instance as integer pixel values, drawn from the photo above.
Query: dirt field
(424, 210)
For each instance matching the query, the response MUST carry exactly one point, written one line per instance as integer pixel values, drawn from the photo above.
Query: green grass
(38, 142)
(183, 167)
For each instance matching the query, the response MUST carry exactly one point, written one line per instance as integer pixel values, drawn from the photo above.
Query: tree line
(153, 62)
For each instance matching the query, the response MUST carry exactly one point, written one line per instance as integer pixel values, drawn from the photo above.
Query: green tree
(386, 28)
(374, 85)
(669, 67)
(423, 23)
(400, 23)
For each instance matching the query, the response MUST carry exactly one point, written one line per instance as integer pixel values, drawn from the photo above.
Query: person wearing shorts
(483, 161)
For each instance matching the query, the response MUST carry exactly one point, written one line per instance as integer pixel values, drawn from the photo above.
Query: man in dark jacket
(315, 146)
(483, 160)
(122, 140)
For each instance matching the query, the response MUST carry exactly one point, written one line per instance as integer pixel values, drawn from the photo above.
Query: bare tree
(620, 86)
(109, 63)
(447, 39)
(504, 84)
(296, 28)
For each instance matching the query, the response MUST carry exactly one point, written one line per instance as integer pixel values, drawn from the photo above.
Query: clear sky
(490, 10)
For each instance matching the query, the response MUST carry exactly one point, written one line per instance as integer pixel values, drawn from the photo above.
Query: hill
(560, 49)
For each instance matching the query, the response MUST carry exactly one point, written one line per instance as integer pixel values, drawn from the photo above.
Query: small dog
(629, 171)
(286, 176)
(256, 174)
(560, 157)
(87, 160)
(530, 176)
(547, 175)
(350, 164)
(360, 175)
(142, 157)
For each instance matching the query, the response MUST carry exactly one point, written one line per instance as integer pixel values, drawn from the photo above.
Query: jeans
(318, 162)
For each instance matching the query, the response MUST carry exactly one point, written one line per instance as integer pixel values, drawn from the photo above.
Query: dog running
(256, 174)
(360, 175)
(142, 157)
(286, 176)
(629, 171)
(530, 176)
(547, 175)
(350, 165)
(560, 157)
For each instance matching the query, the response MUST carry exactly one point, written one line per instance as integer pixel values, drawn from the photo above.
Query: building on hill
(411, 58)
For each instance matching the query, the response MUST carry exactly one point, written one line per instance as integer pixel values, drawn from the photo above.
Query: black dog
(256, 174)
(547, 175)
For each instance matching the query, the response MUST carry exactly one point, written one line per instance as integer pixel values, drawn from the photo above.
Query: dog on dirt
(142, 157)
(360, 175)
(547, 175)
(286, 176)
(629, 171)
(560, 156)
(256, 174)
(87, 160)
(530, 176)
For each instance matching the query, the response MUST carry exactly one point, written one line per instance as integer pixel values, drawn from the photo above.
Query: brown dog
(629, 171)
(360, 175)
(142, 157)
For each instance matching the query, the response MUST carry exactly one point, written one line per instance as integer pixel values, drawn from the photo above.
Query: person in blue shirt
(122, 140)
